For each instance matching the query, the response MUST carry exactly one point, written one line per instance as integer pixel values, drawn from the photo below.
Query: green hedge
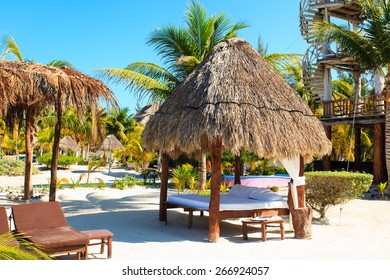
(326, 188)
(64, 161)
(10, 167)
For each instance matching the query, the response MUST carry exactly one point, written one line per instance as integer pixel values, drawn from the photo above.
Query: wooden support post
(216, 155)
(164, 187)
(237, 169)
(301, 189)
(379, 153)
(302, 216)
(358, 149)
(326, 165)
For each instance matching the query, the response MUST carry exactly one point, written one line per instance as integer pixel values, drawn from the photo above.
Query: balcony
(365, 110)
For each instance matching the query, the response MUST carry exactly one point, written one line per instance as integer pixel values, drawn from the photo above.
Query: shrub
(9, 167)
(326, 188)
(64, 161)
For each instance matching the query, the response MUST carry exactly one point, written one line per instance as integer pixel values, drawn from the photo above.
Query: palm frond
(170, 42)
(15, 246)
(60, 63)
(153, 71)
(138, 82)
(199, 29)
(352, 43)
(11, 47)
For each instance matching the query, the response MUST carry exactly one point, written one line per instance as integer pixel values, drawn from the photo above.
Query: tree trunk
(28, 157)
(54, 160)
(216, 155)
(202, 171)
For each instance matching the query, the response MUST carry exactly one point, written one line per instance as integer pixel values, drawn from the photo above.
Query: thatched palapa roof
(67, 143)
(110, 143)
(146, 112)
(235, 94)
(25, 84)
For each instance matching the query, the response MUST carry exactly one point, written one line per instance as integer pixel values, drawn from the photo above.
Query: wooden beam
(216, 155)
(164, 187)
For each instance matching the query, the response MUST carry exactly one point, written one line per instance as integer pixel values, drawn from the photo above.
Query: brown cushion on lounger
(4, 226)
(38, 215)
(59, 237)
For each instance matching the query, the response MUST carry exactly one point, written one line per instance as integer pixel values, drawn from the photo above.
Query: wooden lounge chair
(44, 223)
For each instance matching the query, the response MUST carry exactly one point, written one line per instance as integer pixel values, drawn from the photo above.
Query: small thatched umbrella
(67, 143)
(26, 87)
(110, 144)
(233, 100)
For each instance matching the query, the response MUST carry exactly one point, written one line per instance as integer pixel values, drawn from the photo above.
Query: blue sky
(94, 34)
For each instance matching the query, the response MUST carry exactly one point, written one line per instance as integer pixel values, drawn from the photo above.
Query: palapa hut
(110, 144)
(233, 100)
(67, 143)
(25, 88)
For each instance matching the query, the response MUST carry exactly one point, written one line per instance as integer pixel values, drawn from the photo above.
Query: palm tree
(369, 46)
(118, 122)
(181, 50)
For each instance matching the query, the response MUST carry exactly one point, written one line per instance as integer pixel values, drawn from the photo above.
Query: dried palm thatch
(24, 84)
(110, 143)
(236, 95)
(67, 143)
(27, 87)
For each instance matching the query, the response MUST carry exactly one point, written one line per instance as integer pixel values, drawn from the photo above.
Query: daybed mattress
(227, 202)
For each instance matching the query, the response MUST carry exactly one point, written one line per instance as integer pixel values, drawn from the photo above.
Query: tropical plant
(225, 187)
(76, 183)
(280, 61)
(92, 166)
(382, 189)
(183, 176)
(16, 247)
(60, 182)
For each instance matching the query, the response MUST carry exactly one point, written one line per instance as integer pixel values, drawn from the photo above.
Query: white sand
(361, 231)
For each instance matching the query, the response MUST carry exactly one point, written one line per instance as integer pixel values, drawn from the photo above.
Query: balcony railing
(373, 105)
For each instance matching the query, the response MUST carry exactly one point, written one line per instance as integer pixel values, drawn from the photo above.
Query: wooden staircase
(317, 58)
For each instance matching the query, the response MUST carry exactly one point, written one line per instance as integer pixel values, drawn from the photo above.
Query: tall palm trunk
(28, 157)
(54, 160)
(202, 171)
